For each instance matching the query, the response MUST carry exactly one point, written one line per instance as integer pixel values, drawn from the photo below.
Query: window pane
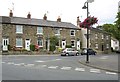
(39, 30)
(73, 43)
(57, 31)
(19, 29)
(19, 42)
(40, 42)
(72, 32)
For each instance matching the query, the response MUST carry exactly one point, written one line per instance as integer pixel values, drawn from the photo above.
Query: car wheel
(67, 54)
(94, 53)
(77, 54)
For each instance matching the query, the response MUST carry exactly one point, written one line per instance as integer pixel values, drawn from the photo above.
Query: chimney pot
(45, 17)
(29, 15)
(78, 21)
(11, 13)
(59, 19)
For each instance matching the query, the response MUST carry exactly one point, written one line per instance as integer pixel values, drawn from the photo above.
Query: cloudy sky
(104, 10)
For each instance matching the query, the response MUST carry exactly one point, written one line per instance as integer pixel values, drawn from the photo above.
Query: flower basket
(88, 22)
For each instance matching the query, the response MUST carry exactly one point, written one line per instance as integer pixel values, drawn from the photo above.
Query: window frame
(74, 43)
(57, 31)
(73, 32)
(19, 29)
(21, 42)
(96, 45)
(107, 46)
(40, 43)
(39, 30)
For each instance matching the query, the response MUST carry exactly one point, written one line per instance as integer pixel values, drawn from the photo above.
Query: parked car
(69, 52)
(118, 51)
(90, 51)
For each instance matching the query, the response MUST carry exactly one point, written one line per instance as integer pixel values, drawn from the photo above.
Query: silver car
(69, 52)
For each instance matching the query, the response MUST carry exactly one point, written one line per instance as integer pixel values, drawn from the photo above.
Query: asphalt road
(52, 67)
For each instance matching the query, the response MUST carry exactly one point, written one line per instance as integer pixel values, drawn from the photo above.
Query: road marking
(22, 63)
(79, 69)
(95, 70)
(43, 65)
(39, 61)
(3, 62)
(48, 60)
(104, 57)
(111, 73)
(29, 65)
(53, 67)
(66, 68)
(17, 64)
(10, 63)
(58, 59)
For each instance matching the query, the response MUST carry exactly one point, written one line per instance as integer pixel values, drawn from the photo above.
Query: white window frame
(40, 29)
(74, 43)
(41, 41)
(96, 46)
(107, 46)
(19, 29)
(21, 42)
(102, 36)
(96, 36)
(57, 31)
(73, 32)
(107, 37)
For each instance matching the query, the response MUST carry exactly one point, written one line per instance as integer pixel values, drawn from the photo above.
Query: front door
(78, 45)
(63, 44)
(27, 44)
(5, 44)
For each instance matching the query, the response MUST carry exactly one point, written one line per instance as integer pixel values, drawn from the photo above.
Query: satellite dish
(90, 1)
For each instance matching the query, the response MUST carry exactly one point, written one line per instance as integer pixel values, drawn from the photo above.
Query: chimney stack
(59, 19)
(11, 13)
(29, 16)
(78, 21)
(45, 17)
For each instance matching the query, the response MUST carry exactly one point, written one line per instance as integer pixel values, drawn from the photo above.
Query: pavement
(105, 62)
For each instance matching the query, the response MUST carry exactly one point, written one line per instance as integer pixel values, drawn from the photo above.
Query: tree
(117, 25)
(117, 22)
(113, 29)
(54, 41)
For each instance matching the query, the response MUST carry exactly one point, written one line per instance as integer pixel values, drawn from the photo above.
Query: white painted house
(119, 6)
(115, 44)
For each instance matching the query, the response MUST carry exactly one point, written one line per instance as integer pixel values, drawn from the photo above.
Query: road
(52, 67)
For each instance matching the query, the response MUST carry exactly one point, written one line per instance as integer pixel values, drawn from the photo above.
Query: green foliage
(9, 47)
(54, 41)
(113, 29)
(68, 46)
(52, 48)
(32, 47)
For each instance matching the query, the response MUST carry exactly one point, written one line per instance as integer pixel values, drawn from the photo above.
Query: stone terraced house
(20, 32)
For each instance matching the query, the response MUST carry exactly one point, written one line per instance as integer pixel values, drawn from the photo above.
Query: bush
(32, 47)
(9, 47)
(68, 46)
(52, 48)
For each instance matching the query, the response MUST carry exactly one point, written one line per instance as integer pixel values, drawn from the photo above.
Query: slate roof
(38, 22)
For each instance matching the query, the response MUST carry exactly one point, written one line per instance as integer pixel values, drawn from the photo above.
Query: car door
(70, 51)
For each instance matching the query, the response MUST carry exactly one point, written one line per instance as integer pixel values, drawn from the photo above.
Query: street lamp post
(86, 7)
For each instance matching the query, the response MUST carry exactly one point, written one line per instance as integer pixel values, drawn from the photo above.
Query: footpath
(105, 62)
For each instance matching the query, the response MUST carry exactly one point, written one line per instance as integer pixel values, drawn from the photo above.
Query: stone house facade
(20, 32)
(100, 40)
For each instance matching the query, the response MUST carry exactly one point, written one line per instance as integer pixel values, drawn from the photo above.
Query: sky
(68, 10)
